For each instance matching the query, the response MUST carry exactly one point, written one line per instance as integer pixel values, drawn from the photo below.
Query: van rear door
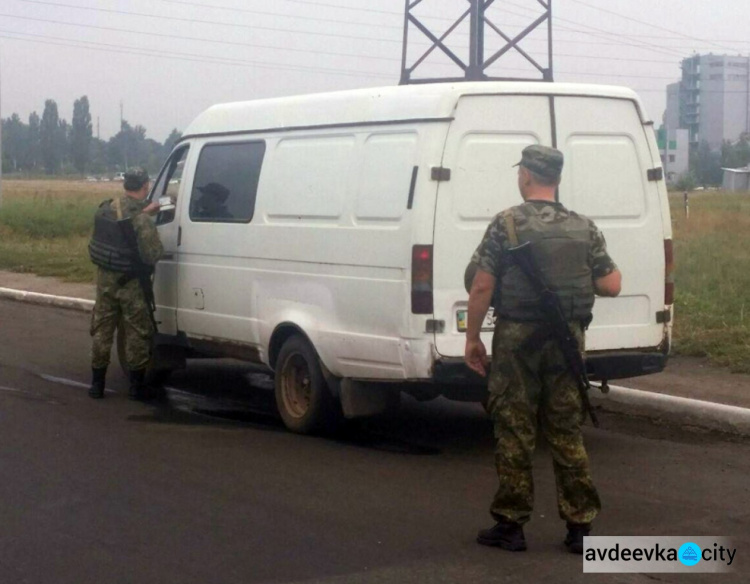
(484, 142)
(606, 178)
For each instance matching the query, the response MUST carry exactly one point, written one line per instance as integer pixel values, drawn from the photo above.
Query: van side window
(168, 183)
(226, 182)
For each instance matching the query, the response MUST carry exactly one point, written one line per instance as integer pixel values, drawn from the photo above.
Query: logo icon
(689, 554)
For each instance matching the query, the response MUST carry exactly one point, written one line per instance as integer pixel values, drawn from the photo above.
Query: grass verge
(712, 301)
(45, 226)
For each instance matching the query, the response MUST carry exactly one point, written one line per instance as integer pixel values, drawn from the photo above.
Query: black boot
(507, 535)
(137, 389)
(574, 539)
(96, 390)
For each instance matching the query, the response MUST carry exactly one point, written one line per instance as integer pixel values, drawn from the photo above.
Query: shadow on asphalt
(231, 394)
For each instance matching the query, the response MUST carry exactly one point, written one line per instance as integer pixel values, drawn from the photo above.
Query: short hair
(544, 180)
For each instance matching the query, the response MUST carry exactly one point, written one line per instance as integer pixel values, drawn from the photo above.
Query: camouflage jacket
(149, 244)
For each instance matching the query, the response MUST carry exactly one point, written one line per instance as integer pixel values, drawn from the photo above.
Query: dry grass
(712, 303)
(45, 226)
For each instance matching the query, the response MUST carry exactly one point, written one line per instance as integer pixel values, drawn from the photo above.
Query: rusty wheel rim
(296, 386)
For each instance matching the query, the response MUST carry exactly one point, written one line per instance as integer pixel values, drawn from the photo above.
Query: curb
(80, 304)
(685, 411)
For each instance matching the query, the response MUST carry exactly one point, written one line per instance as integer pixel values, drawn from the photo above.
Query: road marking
(70, 382)
(31, 394)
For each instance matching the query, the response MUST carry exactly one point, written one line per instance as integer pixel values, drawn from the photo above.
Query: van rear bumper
(607, 365)
(621, 364)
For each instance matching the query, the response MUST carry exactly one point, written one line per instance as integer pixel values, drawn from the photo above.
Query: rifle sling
(510, 227)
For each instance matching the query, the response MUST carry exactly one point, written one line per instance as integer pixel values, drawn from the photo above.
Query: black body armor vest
(108, 248)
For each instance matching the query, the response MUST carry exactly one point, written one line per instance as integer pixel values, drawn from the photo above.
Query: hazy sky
(167, 60)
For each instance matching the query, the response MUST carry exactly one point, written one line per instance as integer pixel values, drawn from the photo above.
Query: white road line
(70, 382)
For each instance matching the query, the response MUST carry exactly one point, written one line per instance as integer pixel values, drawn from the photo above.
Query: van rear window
(226, 182)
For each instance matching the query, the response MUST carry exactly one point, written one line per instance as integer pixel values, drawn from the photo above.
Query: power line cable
(357, 37)
(434, 17)
(324, 34)
(643, 22)
(279, 48)
(340, 7)
(187, 38)
(210, 22)
(61, 41)
(231, 60)
(277, 14)
(599, 32)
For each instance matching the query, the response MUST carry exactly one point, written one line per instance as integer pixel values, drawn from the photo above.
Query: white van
(326, 236)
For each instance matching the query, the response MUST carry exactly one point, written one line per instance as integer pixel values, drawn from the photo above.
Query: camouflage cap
(135, 178)
(542, 160)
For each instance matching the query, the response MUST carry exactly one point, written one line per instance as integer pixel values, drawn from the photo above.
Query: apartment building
(712, 101)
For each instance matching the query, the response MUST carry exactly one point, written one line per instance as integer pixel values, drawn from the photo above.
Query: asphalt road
(214, 490)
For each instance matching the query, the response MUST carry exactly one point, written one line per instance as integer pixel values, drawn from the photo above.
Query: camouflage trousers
(120, 305)
(530, 389)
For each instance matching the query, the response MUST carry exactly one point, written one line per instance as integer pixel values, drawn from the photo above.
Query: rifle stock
(553, 312)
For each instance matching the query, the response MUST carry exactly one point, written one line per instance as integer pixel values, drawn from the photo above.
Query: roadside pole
(686, 198)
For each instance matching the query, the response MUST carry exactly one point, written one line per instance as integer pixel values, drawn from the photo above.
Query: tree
(49, 131)
(15, 137)
(705, 165)
(63, 144)
(686, 182)
(80, 134)
(171, 140)
(34, 143)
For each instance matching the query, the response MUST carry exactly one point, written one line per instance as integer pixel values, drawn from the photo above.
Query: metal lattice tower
(475, 65)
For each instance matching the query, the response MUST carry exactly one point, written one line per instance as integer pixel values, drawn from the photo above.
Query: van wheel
(154, 376)
(302, 395)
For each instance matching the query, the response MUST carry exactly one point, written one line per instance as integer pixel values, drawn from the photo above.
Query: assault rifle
(142, 271)
(551, 307)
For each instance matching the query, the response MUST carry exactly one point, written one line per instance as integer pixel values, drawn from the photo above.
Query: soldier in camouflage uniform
(120, 299)
(530, 385)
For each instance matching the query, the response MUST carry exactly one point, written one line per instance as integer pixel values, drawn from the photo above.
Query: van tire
(303, 398)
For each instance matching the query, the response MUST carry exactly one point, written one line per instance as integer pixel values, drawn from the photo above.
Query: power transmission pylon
(474, 68)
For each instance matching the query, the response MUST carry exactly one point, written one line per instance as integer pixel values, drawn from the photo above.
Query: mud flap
(362, 399)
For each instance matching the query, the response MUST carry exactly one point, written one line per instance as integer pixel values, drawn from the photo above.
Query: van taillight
(421, 279)
(668, 272)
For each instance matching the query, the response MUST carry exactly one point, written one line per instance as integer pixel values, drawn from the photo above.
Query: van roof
(435, 101)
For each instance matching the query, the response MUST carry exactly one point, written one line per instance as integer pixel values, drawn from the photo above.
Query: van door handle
(179, 236)
(412, 187)
(168, 256)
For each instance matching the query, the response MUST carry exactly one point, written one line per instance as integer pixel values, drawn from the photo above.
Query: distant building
(736, 179)
(712, 101)
(674, 148)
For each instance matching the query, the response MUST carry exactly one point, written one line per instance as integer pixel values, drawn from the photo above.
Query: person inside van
(212, 202)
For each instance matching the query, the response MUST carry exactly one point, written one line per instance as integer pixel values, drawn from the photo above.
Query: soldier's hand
(476, 357)
(151, 208)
